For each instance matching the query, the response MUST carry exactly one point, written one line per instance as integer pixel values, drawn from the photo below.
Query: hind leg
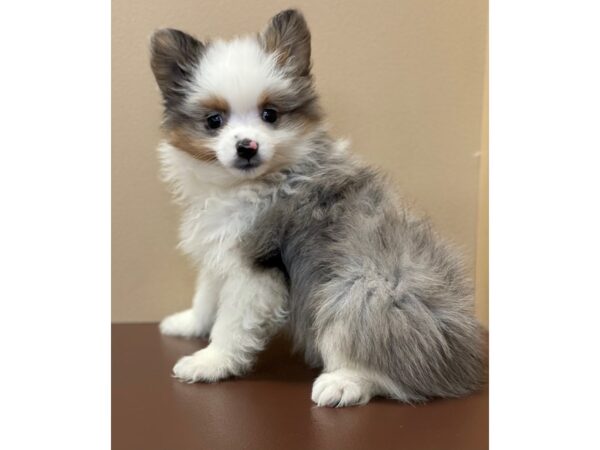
(347, 382)
(351, 385)
(343, 387)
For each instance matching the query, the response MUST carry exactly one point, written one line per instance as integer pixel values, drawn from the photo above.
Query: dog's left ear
(288, 36)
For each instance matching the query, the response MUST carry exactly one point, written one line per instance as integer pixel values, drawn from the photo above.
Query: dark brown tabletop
(268, 409)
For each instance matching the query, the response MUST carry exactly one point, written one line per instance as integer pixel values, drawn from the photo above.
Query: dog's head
(244, 105)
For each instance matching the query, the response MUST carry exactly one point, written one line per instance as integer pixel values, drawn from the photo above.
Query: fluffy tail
(431, 347)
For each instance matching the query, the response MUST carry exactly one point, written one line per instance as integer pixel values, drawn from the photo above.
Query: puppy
(286, 227)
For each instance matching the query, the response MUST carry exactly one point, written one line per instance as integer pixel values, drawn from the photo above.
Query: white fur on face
(241, 72)
(238, 71)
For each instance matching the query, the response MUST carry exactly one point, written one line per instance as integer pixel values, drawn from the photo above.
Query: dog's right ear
(175, 55)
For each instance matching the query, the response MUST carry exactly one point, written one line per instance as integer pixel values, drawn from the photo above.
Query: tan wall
(482, 257)
(404, 79)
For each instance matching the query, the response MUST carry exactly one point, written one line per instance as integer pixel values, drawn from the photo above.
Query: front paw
(184, 324)
(207, 365)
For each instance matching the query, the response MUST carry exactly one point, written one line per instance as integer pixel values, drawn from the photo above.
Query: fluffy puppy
(288, 228)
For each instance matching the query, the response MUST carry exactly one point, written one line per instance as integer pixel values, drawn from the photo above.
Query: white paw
(184, 324)
(207, 365)
(340, 388)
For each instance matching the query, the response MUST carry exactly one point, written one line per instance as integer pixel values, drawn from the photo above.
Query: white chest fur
(215, 214)
(212, 229)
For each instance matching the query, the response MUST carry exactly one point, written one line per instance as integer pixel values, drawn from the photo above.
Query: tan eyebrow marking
(264, 100)
(215, 104)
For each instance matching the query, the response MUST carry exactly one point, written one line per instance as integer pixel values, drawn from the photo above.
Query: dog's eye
(214, 121)
(269, 115)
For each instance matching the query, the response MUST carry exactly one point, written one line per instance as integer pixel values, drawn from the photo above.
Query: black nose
(246, 148)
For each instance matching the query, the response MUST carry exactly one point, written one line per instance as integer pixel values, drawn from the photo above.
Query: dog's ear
(288, 36)
(175, 54)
